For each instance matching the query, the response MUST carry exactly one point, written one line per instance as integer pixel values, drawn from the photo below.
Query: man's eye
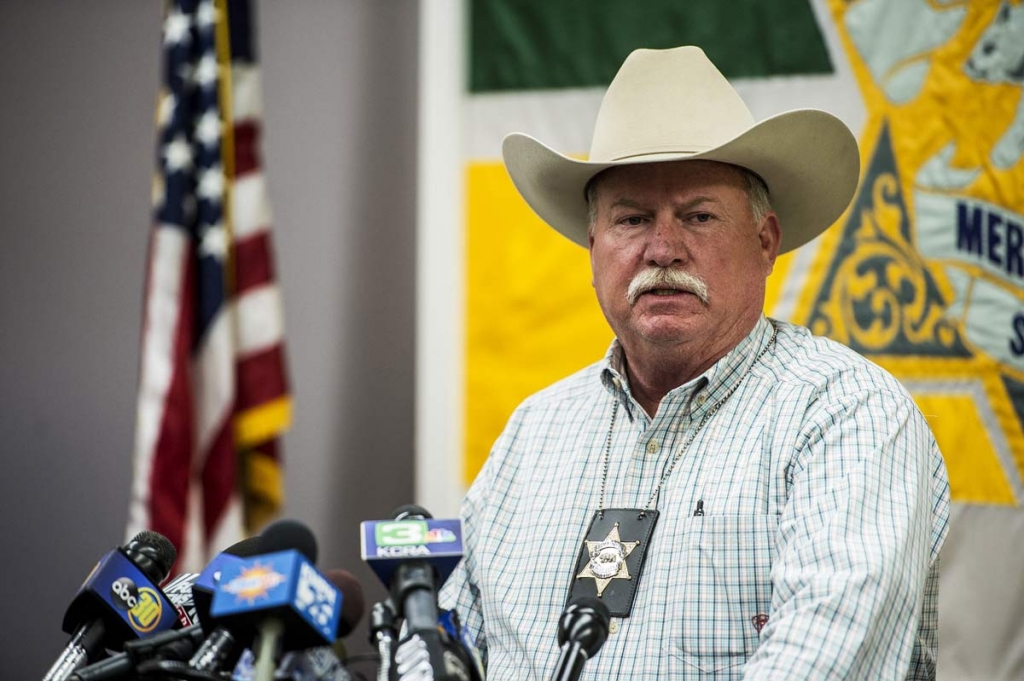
(632, 220)
(703, 217)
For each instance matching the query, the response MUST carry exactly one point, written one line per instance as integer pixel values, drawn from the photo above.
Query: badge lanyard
(615, 547)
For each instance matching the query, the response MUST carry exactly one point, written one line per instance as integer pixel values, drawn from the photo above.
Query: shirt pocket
(720, 600)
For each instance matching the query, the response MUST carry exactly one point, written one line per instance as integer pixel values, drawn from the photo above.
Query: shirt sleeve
(854, 573)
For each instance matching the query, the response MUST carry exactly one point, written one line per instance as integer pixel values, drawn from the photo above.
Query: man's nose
(664, 243)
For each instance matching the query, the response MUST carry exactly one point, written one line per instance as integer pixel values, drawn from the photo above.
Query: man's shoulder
(581, 385)
(803, 358)
(550, 416)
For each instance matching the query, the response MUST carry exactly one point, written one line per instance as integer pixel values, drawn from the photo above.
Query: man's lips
(667, 292)
(667, 298)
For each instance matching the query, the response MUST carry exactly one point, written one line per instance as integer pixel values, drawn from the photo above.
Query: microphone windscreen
(353, 602)
(411, 511)
(289, 535)
(585, 621)
(153, 553)
(252, 546)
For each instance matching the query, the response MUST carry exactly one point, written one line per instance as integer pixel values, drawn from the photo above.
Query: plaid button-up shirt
(825, 504)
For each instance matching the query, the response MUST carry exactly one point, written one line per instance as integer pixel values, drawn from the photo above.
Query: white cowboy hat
(670, 105)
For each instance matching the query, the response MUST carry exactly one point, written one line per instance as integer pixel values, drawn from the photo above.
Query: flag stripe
(259, 319)
(247, 136)
(247, 86)
(254, 262)
(257, 425)
(213, 373)
(538, 44)
(261, 377)
(250, 208)
(219, 475)
(170, 473)
(166, 273)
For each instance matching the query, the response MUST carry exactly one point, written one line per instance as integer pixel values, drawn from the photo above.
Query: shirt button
(613, 626)
(701, 399)
(652, 447)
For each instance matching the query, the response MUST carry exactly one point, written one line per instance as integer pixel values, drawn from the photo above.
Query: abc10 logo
(143, 606)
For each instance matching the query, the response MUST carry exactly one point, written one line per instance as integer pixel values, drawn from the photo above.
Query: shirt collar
(701, 392)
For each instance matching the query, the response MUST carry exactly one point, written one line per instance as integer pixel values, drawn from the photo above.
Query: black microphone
(582, 630)
(175, 644)
(412, 554)
(353, 602)
(219, 649)
(119, 601)
(415, 581)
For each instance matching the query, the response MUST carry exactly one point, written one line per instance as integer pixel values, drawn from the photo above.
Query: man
(749, 500)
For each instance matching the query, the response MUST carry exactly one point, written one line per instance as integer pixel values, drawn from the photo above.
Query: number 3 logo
(402, 533)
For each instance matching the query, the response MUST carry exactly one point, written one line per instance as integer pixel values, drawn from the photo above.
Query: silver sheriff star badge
(608, 560)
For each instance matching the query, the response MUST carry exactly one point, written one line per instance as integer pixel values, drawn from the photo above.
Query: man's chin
(668, 328)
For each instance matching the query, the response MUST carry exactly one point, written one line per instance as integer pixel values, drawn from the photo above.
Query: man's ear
(770, 236)
(590, 249)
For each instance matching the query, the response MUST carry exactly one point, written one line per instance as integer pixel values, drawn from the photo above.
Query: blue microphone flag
(285, 585)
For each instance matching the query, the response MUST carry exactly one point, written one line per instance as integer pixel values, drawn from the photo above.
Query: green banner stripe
(541, 44)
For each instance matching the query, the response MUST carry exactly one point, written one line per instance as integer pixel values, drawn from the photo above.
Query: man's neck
(649, 382)
(656, 370)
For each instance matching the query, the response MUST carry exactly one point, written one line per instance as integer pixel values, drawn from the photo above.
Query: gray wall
(76, 112)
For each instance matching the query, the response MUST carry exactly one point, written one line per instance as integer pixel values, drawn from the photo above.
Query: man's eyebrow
(626, 203)
(698, 200)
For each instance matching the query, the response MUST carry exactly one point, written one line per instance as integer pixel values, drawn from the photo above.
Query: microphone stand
(383, 633)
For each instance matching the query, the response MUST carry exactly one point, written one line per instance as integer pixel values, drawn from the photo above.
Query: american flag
(213, 393)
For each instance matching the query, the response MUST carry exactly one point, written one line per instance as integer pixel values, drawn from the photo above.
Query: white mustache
(654, 278)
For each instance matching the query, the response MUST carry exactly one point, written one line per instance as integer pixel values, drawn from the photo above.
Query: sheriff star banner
(924, 273)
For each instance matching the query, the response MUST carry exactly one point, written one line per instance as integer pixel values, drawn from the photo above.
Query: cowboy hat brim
(808, 159)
